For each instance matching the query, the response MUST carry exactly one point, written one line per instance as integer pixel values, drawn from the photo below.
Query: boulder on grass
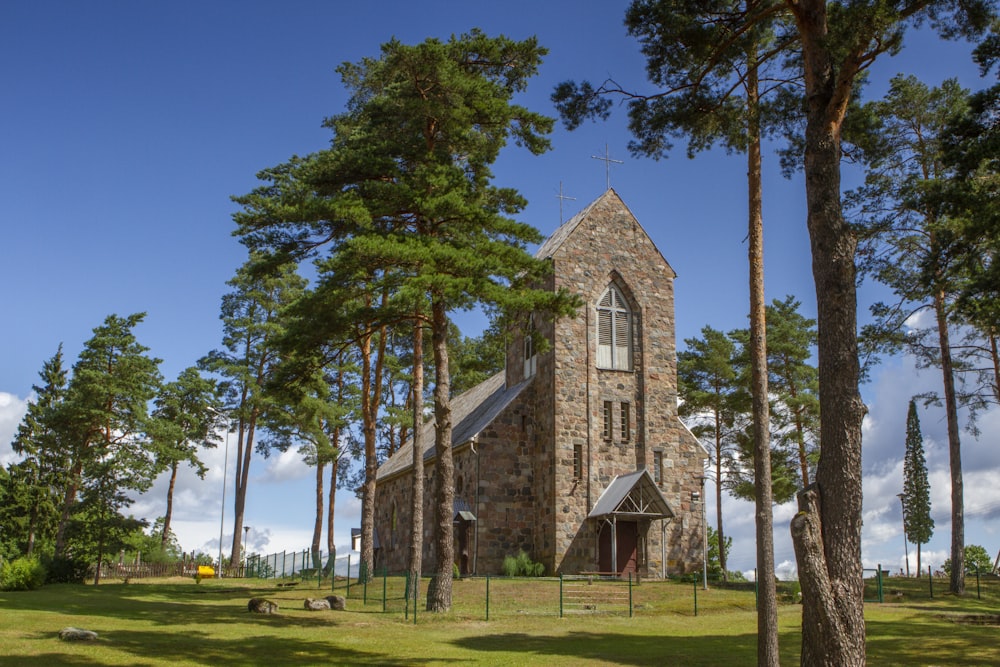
(337, 603)
(317, 605)
(76, 634)
(262, 606)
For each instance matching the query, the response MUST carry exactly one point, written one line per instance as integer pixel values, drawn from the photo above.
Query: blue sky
(127, 126)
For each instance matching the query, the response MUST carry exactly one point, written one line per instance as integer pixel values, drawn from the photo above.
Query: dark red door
(628, 540)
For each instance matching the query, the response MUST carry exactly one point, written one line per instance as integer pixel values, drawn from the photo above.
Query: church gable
(606, 226)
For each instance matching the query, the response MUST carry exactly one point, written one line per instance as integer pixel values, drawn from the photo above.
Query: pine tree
(404, 204)
(709, 386)
(186, 417)
(917, 521)
(912, 248)
(252, 325)
(106, 408)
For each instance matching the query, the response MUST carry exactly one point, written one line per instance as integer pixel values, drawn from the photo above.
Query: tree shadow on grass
(619, 648)
(168, 606)
(153, 647)
(896, 643)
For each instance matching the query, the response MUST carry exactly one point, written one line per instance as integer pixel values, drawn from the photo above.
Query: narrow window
(530, 358)
(614, 331)
(608, 418)
(657, 467)
(624, 423)
(577, 461)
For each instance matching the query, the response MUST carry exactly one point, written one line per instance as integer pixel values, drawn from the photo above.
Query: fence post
(878, 574)
(406, 596)
(978, 591)
(385, 581)
(560, 595)
(630, 595)
(694, 580)
(487, 597)
(930, 580)
(756, 602)
(348, 576)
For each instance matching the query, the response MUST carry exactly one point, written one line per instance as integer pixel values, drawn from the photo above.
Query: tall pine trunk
(767, 604)
(417, 494)
(957, 576)
(318, 521)
(826, 532)
(165, 537)
(244, 451)
(439, 590)
(69, 499)
(369, 416)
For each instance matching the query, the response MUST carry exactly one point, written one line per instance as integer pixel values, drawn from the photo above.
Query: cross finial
(561, 197)
(607, 164)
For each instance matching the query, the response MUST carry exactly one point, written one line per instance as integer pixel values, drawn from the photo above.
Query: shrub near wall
(21, 574)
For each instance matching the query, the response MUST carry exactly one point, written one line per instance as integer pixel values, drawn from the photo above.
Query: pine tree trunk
(826, 531)
(69, 499)
(243, 455)
(718, 519)
(368, 425)
(439, 590)
(417, 494)
(170, 507)
(318, 522)
(331, 544)
(957, 576)
(767, 604)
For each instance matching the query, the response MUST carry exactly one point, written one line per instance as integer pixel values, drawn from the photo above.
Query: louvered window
(614, 332)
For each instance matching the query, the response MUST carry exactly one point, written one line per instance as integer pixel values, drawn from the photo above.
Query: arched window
(614, 331)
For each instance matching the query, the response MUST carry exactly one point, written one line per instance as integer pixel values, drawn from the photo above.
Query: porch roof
(632, 495)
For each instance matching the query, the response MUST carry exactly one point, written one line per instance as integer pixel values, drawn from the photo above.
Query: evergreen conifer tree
(917, 521)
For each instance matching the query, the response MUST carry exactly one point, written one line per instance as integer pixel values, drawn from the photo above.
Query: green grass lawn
(179, 622)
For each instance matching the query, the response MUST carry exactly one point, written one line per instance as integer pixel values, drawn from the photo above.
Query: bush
(22, 574)
(65, 570)
(522, 566)
(976, 556)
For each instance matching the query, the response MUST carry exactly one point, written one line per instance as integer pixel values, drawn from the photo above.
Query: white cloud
(286, 466)
(12, 409)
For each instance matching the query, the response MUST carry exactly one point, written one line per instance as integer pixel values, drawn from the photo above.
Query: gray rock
(337, 603)
(317, 605)
(76, 634)
(262, 606)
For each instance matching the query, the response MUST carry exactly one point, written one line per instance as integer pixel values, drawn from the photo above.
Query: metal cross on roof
(562, 197)
(607, 164)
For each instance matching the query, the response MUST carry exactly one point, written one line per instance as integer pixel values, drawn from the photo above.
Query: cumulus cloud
(884, 439)
(12, 409)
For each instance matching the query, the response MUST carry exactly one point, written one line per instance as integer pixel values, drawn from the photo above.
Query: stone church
(576, 455)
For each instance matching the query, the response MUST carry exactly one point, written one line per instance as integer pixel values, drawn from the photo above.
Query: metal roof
(471, 412)
(632, 495)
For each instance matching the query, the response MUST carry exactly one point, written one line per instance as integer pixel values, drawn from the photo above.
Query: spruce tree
(917, 521)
